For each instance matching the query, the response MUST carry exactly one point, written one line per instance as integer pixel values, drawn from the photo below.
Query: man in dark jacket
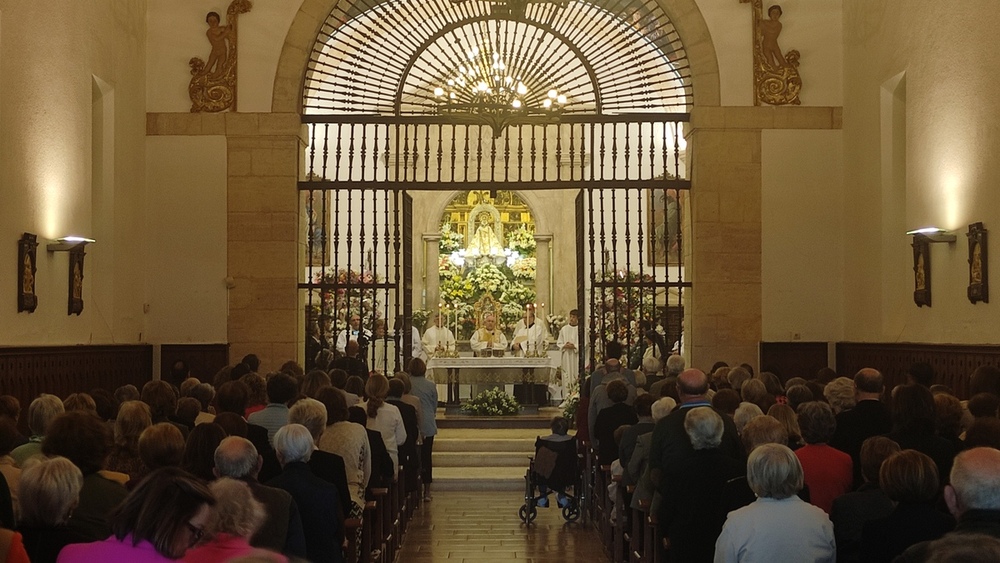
(870, 417)
(318, 500)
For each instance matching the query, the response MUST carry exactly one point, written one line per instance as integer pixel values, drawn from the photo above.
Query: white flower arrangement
(555, 322)
(488, 278)
(492, 402)
(525, 268)
(523, 241)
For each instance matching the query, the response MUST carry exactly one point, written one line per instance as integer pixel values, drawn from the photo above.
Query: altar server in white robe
(438, 337)
(568, 343)
(488, 336)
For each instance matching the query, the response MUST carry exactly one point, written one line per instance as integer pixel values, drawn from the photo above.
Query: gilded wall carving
(776, 77)
(213, 83)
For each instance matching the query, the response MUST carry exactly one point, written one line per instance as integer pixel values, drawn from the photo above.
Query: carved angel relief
(775, 76)
(213, 86)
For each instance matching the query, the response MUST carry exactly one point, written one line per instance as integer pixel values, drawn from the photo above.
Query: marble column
(543, 275)
(432, 249)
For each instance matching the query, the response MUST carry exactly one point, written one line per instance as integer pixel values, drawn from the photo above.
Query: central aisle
(484, 526)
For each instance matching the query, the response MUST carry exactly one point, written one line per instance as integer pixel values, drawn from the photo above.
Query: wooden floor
(484, 526)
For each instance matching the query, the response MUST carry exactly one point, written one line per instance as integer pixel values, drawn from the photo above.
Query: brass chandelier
(484, 87)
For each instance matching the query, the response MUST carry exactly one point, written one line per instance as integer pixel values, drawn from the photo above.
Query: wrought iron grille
(578, 151)
(358, 267)
(607, 57)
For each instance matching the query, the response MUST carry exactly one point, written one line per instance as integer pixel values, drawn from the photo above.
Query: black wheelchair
(554, 467)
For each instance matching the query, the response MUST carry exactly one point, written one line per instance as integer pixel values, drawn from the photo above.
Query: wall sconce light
(933, 234)
(65, 244)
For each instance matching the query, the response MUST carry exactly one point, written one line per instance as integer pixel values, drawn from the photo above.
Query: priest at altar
(528, 334)
(438, 336)
(488, 336)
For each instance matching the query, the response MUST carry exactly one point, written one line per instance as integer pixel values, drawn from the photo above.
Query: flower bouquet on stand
(492, 402)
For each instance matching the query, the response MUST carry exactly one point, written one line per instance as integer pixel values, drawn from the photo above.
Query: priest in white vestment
(528, 335)
(569, 360)
(438, 338)
(488, 336)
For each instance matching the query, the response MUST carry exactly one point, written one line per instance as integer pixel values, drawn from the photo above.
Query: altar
(490, 371)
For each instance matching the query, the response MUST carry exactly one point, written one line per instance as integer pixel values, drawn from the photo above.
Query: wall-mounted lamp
(68, 243)
(933, 234)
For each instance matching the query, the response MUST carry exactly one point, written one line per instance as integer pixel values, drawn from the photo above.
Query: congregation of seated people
(277, 467)
(736, 466)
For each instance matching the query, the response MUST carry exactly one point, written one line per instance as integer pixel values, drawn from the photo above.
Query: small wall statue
(213, 84)
(775, 76)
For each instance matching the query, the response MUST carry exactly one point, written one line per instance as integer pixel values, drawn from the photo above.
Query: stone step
(481, 459)
(485, 445)
(480, 479)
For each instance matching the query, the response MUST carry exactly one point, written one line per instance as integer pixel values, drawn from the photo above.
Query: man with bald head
(870, 417)
(670, 446)
(351, 362)
(237, 458)
(973, 497)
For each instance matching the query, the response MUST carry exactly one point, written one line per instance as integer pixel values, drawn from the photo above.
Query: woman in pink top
(158, 521)
(233, 521)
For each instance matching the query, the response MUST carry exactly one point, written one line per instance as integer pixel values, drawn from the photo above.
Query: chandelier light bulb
(439, 91)
(508, 80)
(516, 103)
(561, 99)
(546, 103)
(553, 94)
(461, 68)
(452, 95)
(521, 88)
(483, 87)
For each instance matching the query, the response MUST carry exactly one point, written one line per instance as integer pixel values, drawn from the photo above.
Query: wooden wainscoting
(952, 363)
(204, 360)
(793, 359)
(27, 371)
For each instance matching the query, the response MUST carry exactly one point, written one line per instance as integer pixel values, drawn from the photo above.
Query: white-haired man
(973, 498)
(318, 500)
(674, 366)
(237, 458)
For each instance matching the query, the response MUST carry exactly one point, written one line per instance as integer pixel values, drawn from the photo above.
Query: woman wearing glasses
(160, 520)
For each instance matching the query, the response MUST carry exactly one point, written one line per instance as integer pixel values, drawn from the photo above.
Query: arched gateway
(585, 99)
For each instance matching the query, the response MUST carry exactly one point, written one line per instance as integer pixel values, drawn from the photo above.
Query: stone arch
(684, 14)
(432, 220)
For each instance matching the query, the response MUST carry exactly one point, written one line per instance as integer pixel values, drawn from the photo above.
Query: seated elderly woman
(778, 525)
(51, 490)
(161, 445)
(41, 412)
(85, 440)
(744, 414)
(159, 521)
(909, 478)
(318, 501)
(828, 471)
(689, 515)
(234, 519)
(133, 419)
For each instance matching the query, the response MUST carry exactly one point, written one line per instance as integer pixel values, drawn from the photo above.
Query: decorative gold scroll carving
(213, 84)
(775, 76)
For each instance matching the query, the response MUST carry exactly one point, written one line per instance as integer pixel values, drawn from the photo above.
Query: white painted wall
(951, 169)
(802, 254)
(51, 55)
(186, 241)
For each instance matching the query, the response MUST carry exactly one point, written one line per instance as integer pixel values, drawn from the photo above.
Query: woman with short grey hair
(778, 525)
(49, 490)
(234, 519)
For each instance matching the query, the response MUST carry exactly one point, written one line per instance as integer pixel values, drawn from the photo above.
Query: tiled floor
(483, 527)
